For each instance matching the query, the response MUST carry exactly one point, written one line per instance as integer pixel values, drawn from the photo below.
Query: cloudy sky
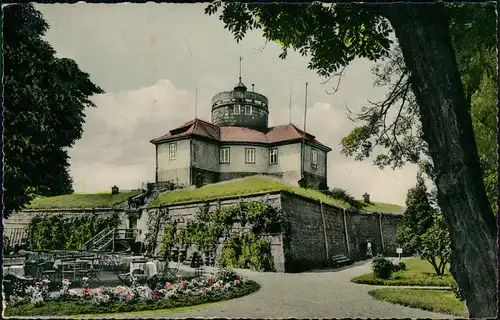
(149, 58)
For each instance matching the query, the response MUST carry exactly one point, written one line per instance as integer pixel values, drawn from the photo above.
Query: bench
(339, 261)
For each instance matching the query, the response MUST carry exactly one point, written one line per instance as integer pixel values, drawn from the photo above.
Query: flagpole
(290, 105)
(196, 101)
(305, 110)
(240, 67)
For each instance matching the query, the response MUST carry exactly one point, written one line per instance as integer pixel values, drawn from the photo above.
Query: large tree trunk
(422, 32)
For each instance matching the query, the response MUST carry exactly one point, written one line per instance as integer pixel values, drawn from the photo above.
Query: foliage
(457, 291)
(418, 272)
(255, 185)
(422, 228)
(56, 232)
(441, 301)
(319, 30)
(155, 218)
(44, 102)
(400, 133)
(352, 30)
(247, 252)
(124, 299)
(382, 268)
(168, 238)
(343, 195)
(246, 249)
(226, 275)
(401, 266)
(82, 200)
(436, 245)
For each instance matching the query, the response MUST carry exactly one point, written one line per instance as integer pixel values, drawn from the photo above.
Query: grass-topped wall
(258, 185)
(82, 200)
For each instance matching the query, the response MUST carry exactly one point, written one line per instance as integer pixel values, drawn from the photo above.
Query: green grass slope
(81, 200)
(255, 185)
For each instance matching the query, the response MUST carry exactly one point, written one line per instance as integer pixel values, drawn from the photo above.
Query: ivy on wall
(242, 249)
(58, 232)
(155, 218)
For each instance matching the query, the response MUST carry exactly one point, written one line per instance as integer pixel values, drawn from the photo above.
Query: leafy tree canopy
(333, 35)
(44, 103)
(422, 229)
(400, 134)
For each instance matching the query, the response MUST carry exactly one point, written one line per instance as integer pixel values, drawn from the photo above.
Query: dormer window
(236, 109)
(248, 110)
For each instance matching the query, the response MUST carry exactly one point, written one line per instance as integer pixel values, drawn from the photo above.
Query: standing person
(369, 252)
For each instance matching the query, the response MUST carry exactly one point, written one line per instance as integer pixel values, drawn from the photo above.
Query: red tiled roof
(283, 133)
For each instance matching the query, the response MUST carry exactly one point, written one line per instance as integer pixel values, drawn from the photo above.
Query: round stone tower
(240, 108)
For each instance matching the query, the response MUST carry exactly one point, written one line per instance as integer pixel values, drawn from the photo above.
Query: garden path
(320, 294)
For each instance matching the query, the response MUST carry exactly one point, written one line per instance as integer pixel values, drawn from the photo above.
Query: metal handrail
(86, 244)
(103, 234)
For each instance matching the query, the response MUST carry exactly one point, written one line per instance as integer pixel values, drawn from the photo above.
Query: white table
(17, 271)
(150, 268)
(130, 259)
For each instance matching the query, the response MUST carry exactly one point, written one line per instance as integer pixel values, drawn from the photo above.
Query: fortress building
(238, 143)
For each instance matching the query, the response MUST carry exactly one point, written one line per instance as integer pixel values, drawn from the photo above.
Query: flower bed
(182, 293)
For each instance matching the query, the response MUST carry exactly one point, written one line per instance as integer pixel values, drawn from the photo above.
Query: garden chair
(169, 274)
(82, 270)
(95, 272)
(8, 285)
(125, 278)
(35, 275)
(49, 272)
(139, 276)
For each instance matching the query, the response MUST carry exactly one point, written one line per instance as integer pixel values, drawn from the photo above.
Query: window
(236, 109)
(172, 151)
(273, 156)
(224, 155)
(226, 111)
(250, 155)
(248, 110)
(314, 158)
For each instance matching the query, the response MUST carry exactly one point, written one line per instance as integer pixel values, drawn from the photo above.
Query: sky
(149, 59)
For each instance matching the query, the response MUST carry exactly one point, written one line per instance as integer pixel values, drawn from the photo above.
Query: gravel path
(323, 294)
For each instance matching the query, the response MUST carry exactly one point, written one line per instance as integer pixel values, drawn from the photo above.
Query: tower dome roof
(240, 86)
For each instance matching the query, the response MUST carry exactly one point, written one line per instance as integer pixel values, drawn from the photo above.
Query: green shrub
(54, 232)
(457, 291)
(400, 266)
(382, 268)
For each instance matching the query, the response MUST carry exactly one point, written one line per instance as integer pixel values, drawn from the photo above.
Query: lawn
(419, 273)
(81, 200)
(256, 185)
(442, 301)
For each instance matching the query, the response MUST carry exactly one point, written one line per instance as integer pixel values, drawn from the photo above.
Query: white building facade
(239, 143)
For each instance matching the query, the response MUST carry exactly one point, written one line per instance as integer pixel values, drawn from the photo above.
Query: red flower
(168, 285)
(237, 281)
(181, 285)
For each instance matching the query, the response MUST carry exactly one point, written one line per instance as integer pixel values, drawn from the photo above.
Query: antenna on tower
(253, 87)
(290, 105)
(305, 111)
(196, 101)
(240, 67)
